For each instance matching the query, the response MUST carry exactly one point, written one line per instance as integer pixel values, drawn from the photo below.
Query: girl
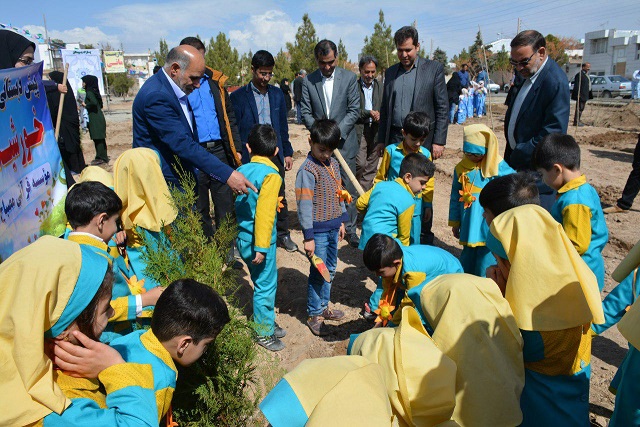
(97, 124)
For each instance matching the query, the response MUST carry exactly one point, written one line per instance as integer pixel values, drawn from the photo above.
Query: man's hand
(87, 361)
(239, 184)
(62, 88)
(456, 232)
(341, 232)
(288, 163)
(151, 296)
(437, 151)
(427, 214)
(258, 259)
(309, 247)
(375, 115)
(379, 148)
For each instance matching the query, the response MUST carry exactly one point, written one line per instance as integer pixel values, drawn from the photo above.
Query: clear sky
(269, 24)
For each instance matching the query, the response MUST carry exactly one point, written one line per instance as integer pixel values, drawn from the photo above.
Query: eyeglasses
(523, 62)
(26, 60)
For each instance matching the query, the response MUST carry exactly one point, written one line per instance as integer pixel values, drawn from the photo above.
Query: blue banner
(32, 178)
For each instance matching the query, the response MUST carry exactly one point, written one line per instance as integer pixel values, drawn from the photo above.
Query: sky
(138, 25)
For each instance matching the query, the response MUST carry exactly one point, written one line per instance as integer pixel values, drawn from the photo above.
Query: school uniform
(578, 209)
(256, 218)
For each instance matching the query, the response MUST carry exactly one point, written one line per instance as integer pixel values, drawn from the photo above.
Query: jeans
(452, 112)
(298, 114)
(282, 218)
(319, 292)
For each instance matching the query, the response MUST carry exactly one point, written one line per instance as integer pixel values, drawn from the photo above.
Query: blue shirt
(262, 104)
(204, 110)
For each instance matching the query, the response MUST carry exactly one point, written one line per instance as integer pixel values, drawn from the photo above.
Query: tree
(462, 58)
(301, 50)
(120, 84)
(499, 64)
(86, 46)
(557, 47)
(476, 55)
(162, 54)
(441, 56)
(380, 44)
(282, 69)
(245, 68)
(222, 57)
(343, 56)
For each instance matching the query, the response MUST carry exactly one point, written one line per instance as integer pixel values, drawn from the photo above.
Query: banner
(81, 63)
(32, 178)
(113, 62)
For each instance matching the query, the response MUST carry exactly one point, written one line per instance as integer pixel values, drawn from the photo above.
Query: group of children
(472, 103)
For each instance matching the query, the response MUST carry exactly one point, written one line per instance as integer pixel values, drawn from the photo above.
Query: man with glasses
(262, 103)
(538, 106)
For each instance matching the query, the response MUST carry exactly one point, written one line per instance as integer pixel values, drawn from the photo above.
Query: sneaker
(614, 209)
(278, 332)
(272, 343)
(368, 315)
(334, 314)
(288, 244)
(317, 326)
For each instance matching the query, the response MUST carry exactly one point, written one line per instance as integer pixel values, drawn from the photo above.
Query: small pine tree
(302, 49)
(380, 44)
(441, 56)
(222, 57)
(161, 55)
(343, 56)
(282, 68)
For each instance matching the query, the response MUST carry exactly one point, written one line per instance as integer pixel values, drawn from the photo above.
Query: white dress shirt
(517, 104)
(182, 99)
(327, 89)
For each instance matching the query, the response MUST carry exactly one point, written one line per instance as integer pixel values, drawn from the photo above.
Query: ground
(607, 150)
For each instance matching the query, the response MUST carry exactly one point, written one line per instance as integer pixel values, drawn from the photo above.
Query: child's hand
(84, 362)
(456, 232)
(427, 213)
(341, 233)
(499, 274)
(309, 247)
(120, 237)
(258, 259)
(151, 296)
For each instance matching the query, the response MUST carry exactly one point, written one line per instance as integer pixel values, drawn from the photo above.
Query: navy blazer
(159, 123)
(244, 105)
(545, 110)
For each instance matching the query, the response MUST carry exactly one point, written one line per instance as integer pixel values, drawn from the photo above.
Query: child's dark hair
(87, 317)
(416, 124)
(325, 132)
(88, 199)
(557, 148)
(381, 251)
(187, 307)
(262, 140)
(417, 164)
(509, 191)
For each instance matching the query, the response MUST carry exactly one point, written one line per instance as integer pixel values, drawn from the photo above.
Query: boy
(577, 207)
(255, 214)
(481, 163)
(415, 129)
(93, 211)
(404, 271)
(187, 318)
(321, 211)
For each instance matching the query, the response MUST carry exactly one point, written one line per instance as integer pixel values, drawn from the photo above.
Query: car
(610, 86)
(493, 87)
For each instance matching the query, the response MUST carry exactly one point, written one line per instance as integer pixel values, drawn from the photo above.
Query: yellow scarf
(629, 325)
(549, 287)
(39, 294)
(96, 173)
(474, 326)
(481, 136)
(143, 190)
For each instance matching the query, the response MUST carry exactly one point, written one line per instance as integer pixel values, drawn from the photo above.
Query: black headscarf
(12, 45)
(69, 106)
(92, 85)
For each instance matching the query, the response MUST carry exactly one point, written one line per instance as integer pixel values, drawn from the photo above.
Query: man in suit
(367, 124)
(538, 106)
(581, 91)
(332, 92)
(413, 84)
(163, 121)
(297, 94)
(261, 103)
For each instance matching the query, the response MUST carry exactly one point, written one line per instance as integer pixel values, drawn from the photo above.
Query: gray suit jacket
(345, 107)
(429, 96)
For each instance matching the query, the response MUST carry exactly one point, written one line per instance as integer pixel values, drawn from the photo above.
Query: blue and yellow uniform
(389, 170)
(553, 308)
(465, 211)
(143, 347)
(57, 279)
(578, 209)
(255, 214)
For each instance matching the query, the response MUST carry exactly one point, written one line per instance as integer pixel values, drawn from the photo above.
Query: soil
(607, 152)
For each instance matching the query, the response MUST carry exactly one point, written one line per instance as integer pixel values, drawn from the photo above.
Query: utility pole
(518, 32)
(46, 36)
(431, 50)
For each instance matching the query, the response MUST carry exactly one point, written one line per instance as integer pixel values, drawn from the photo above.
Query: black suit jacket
(429, 96)
(365, 115)
(582, 80)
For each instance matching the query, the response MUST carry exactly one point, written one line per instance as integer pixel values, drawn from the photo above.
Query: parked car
(493, 87)
(610, 86)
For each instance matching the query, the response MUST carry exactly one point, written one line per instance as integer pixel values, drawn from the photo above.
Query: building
(138, 63)
(498, 45)
(613, 52)
(574, 65)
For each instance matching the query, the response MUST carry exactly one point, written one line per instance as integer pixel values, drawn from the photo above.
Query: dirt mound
(627, 118)
(611, 139)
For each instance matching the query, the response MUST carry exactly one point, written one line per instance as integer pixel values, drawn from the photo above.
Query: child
(415, 129)
(463, 107)
(553, 295)
(255, 214)
(404, 271)
(577, 207)
(481, 96)
(481, 163)
(322, 214)
(186, 320)
(93, 211)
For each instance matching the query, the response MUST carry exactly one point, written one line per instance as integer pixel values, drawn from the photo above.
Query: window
(599, 46)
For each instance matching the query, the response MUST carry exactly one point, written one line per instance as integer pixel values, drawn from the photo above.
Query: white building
(613, 52)
(497, 45)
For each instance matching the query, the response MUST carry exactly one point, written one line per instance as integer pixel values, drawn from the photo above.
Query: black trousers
(632, 186)
(579, 110)
(221, 195)
(282, 219)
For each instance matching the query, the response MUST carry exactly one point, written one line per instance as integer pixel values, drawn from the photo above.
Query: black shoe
(272, 343)
(278, 332)
(368, 315)
(353, 240)
(288, 244)
(97, 162)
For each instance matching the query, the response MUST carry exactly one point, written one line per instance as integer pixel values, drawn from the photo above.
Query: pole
(59, 118)
(518, 26)
(46, 35)
(431, 50)
(486, 64)
(347, 170)
(106, 80)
